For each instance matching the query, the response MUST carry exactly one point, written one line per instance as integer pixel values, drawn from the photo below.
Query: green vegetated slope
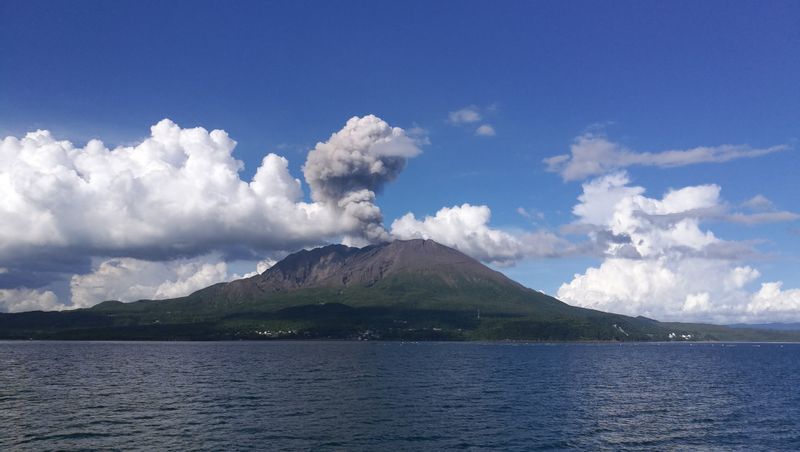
(410, 290)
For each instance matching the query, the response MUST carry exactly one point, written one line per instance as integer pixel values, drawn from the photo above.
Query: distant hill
(408, 290)
(768, 326)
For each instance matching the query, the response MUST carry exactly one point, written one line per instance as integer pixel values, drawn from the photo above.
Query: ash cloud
(354, 165)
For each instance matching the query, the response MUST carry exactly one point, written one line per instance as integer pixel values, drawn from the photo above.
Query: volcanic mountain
(414, 289)
(399, 263)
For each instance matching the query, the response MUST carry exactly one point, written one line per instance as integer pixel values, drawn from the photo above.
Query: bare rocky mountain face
(342, 266)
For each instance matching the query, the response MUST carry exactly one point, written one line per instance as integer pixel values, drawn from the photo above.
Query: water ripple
(398, 396)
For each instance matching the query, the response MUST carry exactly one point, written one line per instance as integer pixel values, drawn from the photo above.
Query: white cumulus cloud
(659, 262)
(261, 267)
(653, 226)
(772, 302)
(666, 288)
(127, 279)
(20, 300)
(179, 193)
(467, 229)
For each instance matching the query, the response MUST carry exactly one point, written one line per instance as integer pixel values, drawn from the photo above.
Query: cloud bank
(659, 262)
(20, 300)
(127, 279)
(177, 192)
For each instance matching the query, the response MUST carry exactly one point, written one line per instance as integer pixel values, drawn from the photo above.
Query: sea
(394, 396)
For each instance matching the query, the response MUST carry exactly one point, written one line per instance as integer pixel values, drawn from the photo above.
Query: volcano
(400, 290)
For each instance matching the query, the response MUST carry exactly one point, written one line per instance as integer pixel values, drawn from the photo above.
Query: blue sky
(282, 76)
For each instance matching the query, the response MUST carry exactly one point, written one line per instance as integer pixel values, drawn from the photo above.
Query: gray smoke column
(353, 166)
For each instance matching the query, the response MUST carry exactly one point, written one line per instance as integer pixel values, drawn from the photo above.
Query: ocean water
(398, 396)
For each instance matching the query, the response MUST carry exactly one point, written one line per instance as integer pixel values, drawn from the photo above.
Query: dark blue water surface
(398, 396)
